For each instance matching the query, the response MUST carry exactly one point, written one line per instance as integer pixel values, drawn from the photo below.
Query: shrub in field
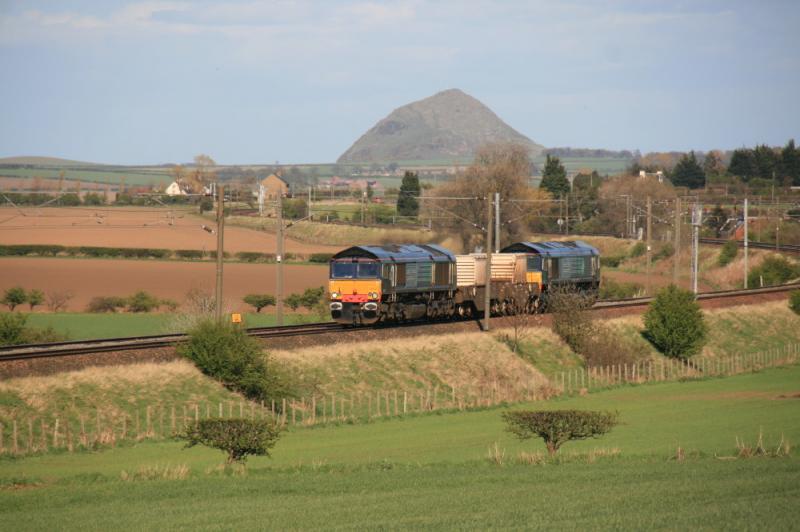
(14, 296)
(665, 251)
(12, 328)
(774, 270)
(189, 254)
(727, 253)
(251, 256)
(14, 331)
(570, 314)
(69, 200)
(259, 301)
(309, 299)
(794, 301)
(639, 249)
(94, 199)
(170, 304)
(611, 289)
(323, 258)
(57, 300)
(206, 204)
(102, 304)
(142, 301)
(674, 323)
(235, 359)
(557, 427)
(35, 298)
(239, 438)
(611, 261)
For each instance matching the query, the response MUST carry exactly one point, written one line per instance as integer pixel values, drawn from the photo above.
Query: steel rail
(106, 345)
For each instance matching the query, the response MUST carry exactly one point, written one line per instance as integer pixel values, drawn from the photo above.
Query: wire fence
(86, 430)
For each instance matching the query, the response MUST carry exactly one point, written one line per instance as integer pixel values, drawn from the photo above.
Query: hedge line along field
(87, 278)
(136, 227)
(434, 471)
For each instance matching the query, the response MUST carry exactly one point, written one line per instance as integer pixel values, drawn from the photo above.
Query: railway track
(109, 345)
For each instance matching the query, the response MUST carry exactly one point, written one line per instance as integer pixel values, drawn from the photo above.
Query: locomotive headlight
(335, 295)
(373, 295)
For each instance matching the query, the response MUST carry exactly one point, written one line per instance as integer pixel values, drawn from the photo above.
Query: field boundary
(84, 430)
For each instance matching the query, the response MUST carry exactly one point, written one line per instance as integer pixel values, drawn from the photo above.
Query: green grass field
(84, 326)
(113, 176)
(433, 472)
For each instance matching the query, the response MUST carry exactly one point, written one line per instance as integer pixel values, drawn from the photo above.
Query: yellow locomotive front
(355, 288)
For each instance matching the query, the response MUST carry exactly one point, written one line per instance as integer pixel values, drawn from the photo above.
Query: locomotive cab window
(534, 264)
(353, 270)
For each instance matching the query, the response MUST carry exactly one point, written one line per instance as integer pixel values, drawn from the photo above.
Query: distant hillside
(34, 160)
(447, 125)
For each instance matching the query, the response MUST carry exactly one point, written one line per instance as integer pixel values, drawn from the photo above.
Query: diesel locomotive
(371, 284)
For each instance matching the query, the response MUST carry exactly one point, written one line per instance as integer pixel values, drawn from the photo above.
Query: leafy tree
(102, 304)
(94, 199)
(766, 161)
(294, 301)
(16, 295)
(688, 173)
(237, 437)
(554, 177)
(742, 164)
(236, 360)
(674, 323)
(556, 427)
(35, 298)
(142, 301)
(773, 271)
(790, 163)
(407, 203)
(712, 165)
(259, 301)
(311, 297)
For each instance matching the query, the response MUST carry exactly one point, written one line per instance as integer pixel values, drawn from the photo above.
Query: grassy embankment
(435, 471)
(85, 326)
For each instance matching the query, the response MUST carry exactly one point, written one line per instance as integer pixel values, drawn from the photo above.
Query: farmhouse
(274, 187)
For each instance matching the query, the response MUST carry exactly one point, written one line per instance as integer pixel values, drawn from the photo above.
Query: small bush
(773, 271)
(235, 359)
(794, 301)
(639, 249)
(611, 289)
(170, 304)
(259, 301)
(665, 251)
(251, 256)
(94, 199)
(14, 331)
(323, 258)
(674, 323)
(142, 301)
(728, 253)
(189, 254)
(13, 297)
(572, 321)
(611, 261)
(35, 298)
(101, 304)
(557, 427)
(57, 300)
(239, 438)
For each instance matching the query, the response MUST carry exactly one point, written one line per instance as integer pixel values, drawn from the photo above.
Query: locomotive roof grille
(553, 248)
(398, 253)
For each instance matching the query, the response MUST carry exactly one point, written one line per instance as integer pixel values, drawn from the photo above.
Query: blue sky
(298, 81)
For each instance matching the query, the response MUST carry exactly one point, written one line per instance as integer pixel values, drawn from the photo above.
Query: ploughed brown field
(87, 278)
(133, 227)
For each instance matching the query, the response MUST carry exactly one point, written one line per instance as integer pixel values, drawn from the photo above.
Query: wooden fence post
(405, 401)
(55, 434)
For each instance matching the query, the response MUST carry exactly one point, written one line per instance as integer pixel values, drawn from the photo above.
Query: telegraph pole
(309, 203)
(676, 263)
(696, 220)
(220, 250)
(649, 247)
(487, 300)
(745, 241)
(497, 222)
(279, 263)
(566, 217)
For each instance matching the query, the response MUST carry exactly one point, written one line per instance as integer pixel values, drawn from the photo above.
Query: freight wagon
(370, 284)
